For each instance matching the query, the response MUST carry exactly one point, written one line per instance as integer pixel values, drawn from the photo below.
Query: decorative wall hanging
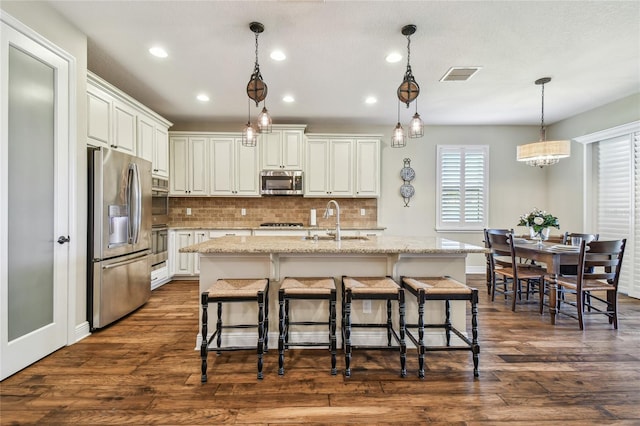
(407, 174)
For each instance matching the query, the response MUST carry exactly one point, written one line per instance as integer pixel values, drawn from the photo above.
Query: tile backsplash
(214, 211)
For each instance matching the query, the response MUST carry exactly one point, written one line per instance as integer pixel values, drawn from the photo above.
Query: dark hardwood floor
(144, 370)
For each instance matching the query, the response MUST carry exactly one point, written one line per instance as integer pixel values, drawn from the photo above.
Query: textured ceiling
(336, 57)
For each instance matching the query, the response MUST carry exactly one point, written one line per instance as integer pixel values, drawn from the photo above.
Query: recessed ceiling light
(202, 97)
(393, 57)
(371, 100)
(288, 99)
(158, 52)
(278, 55)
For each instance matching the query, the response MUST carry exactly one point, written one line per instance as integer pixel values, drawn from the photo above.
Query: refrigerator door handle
(124, 262)
(135, 203)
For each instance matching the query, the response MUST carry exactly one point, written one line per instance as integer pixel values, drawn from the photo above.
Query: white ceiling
(336, 57)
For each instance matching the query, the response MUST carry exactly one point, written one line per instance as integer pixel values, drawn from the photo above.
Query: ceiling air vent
(460, 73)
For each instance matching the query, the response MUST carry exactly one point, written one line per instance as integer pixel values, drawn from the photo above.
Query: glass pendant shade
(416, 126)
(398, 140)
(249, 135)
(264, 121)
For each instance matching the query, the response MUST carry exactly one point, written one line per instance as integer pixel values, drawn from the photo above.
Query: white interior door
(34, 186)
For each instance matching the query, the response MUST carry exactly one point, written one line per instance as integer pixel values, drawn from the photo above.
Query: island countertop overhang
(385, 244)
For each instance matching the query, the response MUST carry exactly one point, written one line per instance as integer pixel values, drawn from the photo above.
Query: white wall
(41, 18)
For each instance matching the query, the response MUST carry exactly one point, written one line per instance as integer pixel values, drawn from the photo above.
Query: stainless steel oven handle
(125, 262)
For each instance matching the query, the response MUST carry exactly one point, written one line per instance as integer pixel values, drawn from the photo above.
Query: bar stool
(447, 289)
(373, 288)
(306, 289)
(236, 290)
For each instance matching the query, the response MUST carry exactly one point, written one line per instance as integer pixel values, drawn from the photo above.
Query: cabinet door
(200, 236)
(292, 149)
(246, 170)
(161, 152)
(222, 162)
(183, 264)
(367, 171)
(146, 133)
(124, 128)
(270, 143)
(317, 170)
(179, 166)
(198, 161)
(341, 168)
(98, 119)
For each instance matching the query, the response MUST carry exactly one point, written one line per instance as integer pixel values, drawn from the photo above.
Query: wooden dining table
(552, 259)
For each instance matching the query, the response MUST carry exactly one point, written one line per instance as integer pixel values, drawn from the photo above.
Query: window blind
(614, 216)
(462, 187)
(635, 273)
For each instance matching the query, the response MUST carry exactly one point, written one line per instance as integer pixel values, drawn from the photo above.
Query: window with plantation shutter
(462, 193)
(616, 214)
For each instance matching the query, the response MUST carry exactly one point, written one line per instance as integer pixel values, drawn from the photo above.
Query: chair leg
(475, 347)
(421, 348)
(261, 331)
(516, 291)
(580, 307)
(402, 326)
(204, 350)
(281, 326)
(219, 327)
(541, 292)
(612, 299)
(346, 332)
(332, 332)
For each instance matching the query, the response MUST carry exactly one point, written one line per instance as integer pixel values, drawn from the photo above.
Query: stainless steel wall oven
(159, 247)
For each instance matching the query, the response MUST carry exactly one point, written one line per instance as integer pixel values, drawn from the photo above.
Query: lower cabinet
(184, 265)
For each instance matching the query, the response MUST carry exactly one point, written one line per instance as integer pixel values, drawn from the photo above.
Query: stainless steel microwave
(281, 182)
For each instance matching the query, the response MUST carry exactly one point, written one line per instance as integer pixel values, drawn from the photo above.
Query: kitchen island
(278, 257)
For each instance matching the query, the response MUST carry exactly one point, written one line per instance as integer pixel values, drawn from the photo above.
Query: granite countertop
(365, 245)
(199, 226)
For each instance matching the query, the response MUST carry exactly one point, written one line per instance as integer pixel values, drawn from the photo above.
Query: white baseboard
(82, 331)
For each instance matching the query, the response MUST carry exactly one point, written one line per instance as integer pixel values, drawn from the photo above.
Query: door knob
(62, 239)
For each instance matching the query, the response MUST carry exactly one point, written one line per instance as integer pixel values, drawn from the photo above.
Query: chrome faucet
(326, 216)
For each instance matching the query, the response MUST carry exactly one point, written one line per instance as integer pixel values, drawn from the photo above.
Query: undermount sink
(331, 238)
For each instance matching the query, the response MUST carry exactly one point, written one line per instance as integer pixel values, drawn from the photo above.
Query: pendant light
(408, 91)
(249, 133)
(398, 139)
(257, 90)
(544, 152)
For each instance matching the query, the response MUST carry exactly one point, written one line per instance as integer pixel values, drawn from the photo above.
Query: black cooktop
(282, 224)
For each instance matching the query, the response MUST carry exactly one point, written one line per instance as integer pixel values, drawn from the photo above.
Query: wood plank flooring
(144, 370)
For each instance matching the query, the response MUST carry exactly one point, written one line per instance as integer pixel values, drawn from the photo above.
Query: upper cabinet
(189, 165)
(340, 165)
(283, 148)
(212, 164)
(233, 168)
(118, 121)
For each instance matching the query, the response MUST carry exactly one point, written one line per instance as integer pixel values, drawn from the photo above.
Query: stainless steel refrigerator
(119, 243)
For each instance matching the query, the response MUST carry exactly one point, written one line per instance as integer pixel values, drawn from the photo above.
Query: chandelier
(408, 91)
(544, 152)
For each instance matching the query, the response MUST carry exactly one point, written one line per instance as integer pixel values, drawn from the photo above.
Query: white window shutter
(462, 193)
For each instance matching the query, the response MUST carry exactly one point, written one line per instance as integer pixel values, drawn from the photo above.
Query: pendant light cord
(543, 131)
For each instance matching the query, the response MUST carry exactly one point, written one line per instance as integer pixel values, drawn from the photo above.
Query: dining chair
(566, 239)
(502, 247)
(499, 263)
(599, 267)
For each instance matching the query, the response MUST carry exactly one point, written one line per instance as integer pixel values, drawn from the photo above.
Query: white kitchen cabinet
(98, 117)
(188, 168)
(283, 149)
(116, 120)
(146, 134)
(181, 263)
(233, 168)
(367, 169)
(161, 151)
(200, 236)
(330, 164)
(287, 232)
(339, 165)
(153, 145)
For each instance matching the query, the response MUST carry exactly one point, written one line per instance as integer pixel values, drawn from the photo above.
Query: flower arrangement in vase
(539, 222)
